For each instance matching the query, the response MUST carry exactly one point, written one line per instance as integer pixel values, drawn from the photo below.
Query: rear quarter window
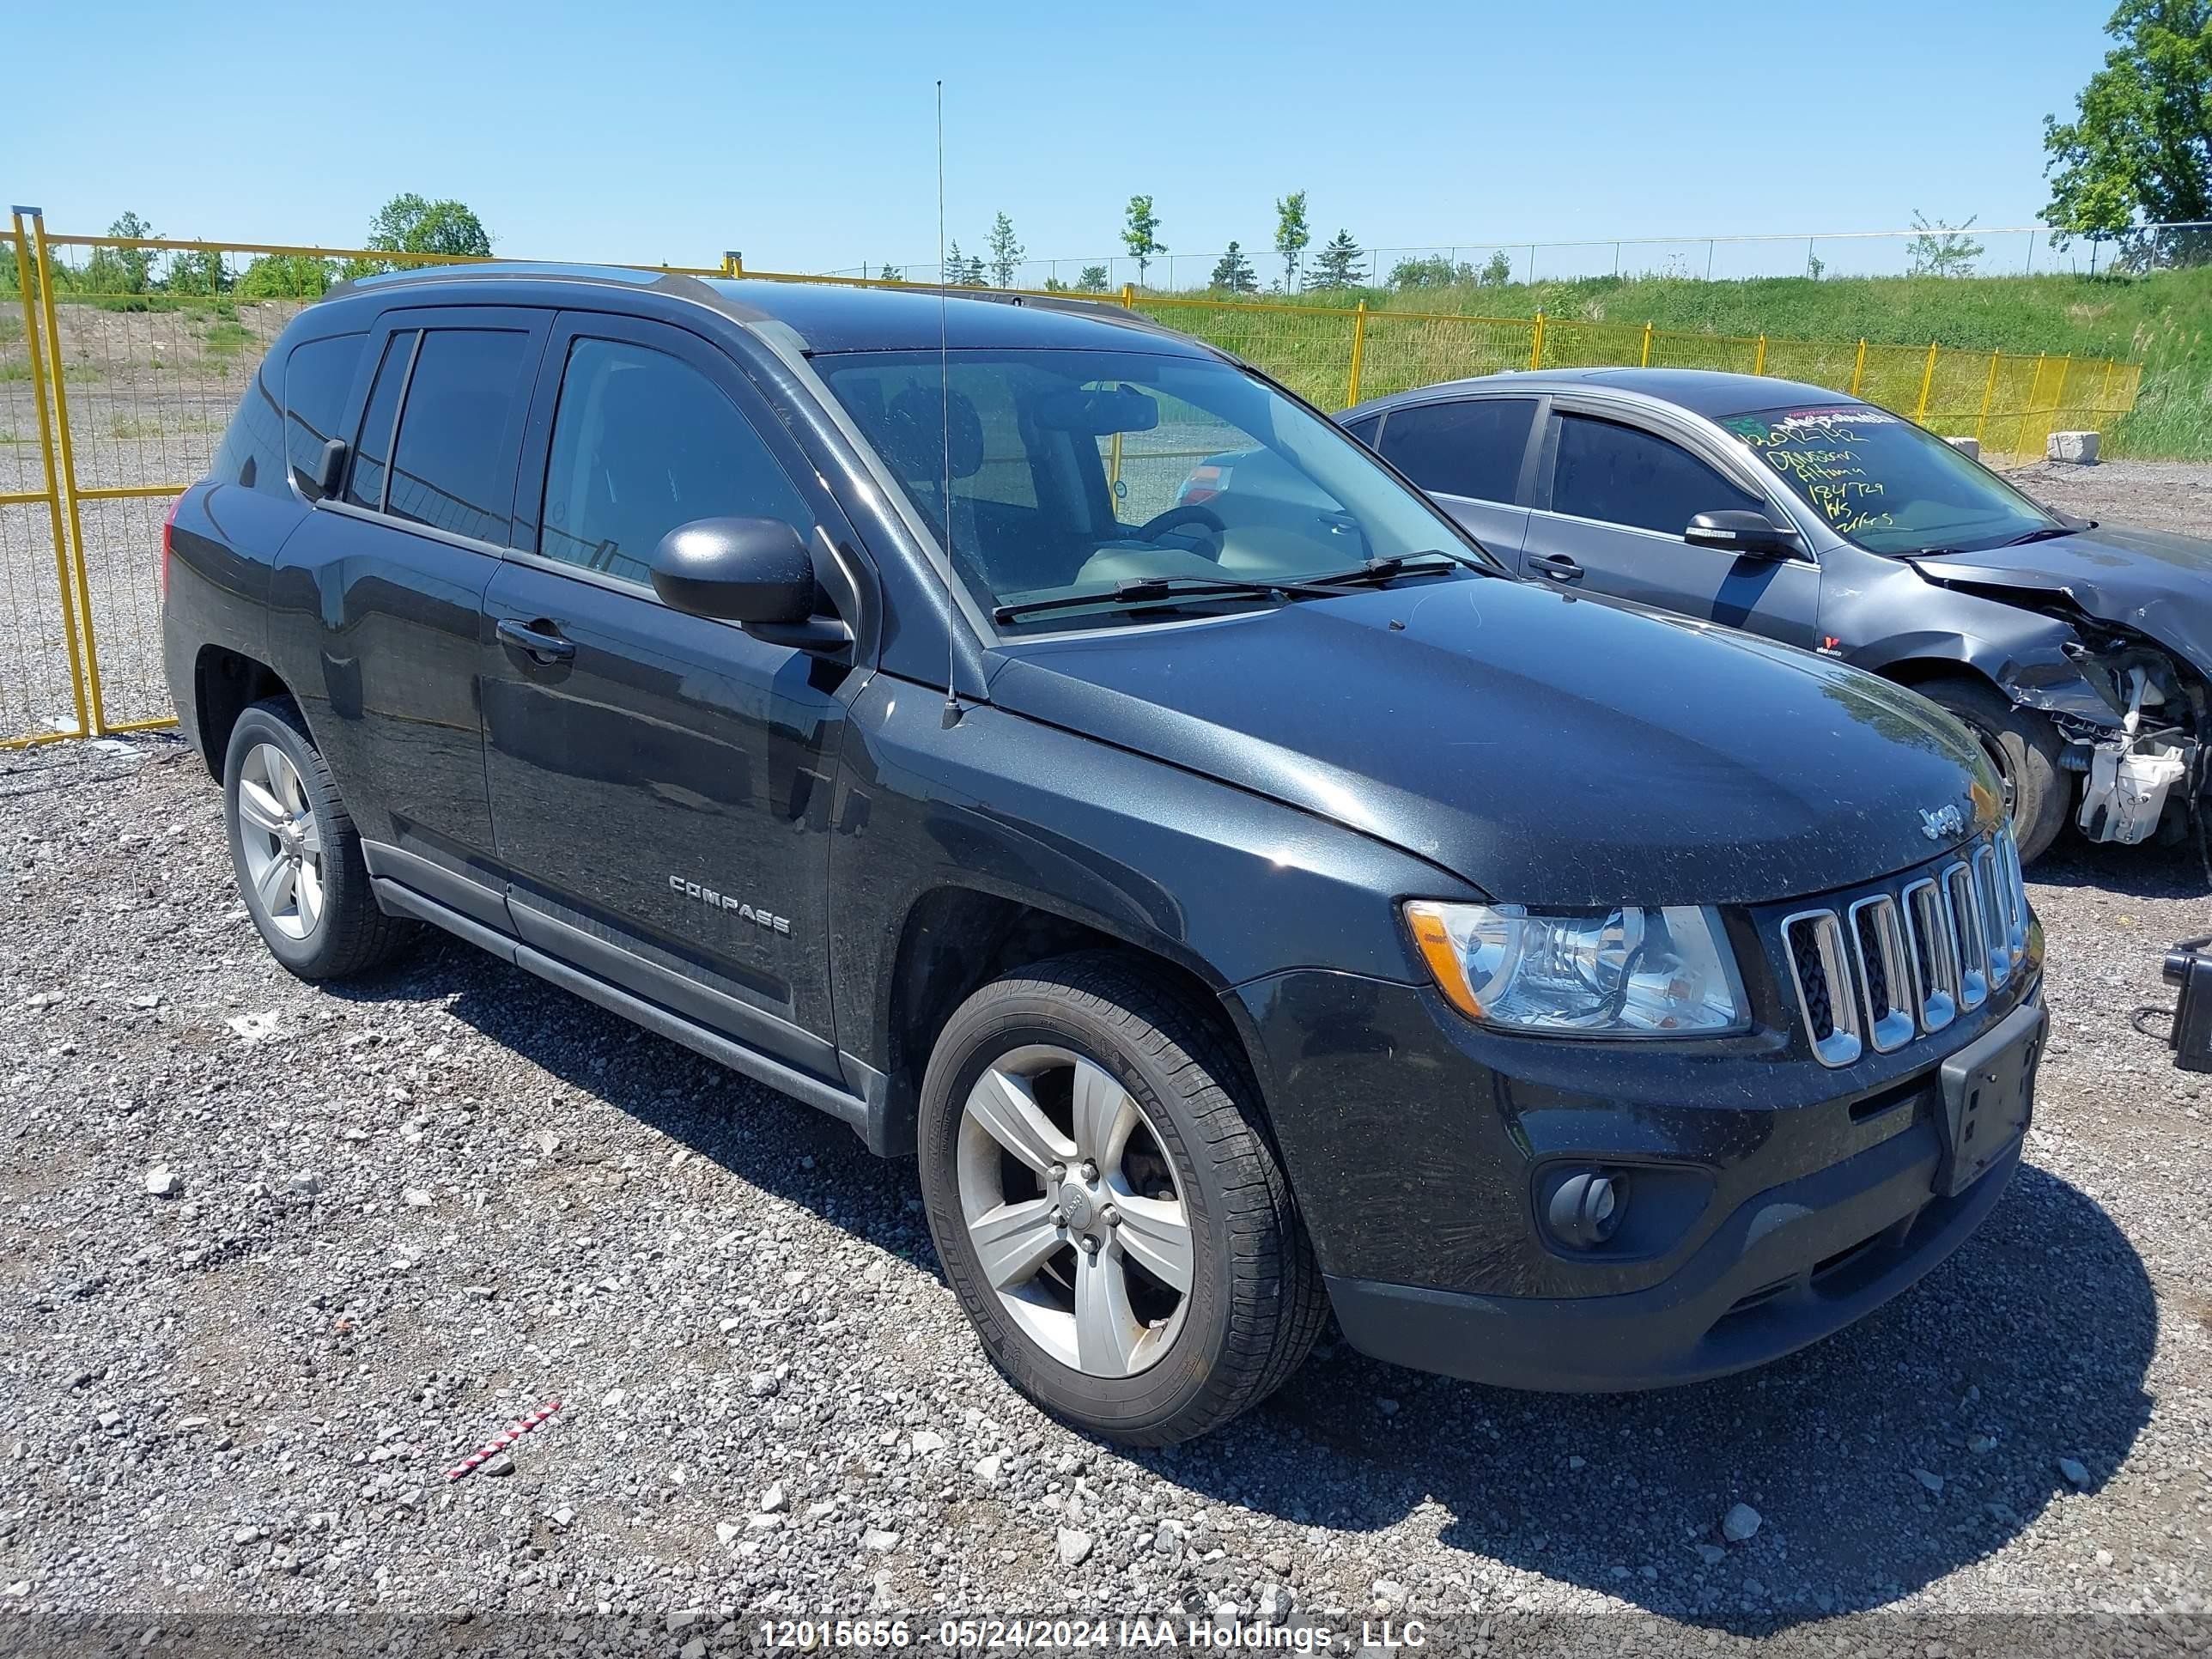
(317, 376)
(251, 453)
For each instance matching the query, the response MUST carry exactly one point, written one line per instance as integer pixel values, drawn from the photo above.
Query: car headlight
(1629, 972)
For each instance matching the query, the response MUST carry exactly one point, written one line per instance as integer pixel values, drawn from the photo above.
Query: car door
(384, 583)
(1613, 498)
(1473, 457)
(660, 783)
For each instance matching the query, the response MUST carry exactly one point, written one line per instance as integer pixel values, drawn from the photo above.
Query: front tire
(1106, 1208)
(297, 855)
(2024, 747)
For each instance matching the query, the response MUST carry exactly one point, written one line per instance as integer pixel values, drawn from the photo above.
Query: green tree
(1497, 269)
(1337, 264)
(1433, 272)
(973, 276)
(2139, 147)
(1093, 279)
(198, 270)
(891, 274)
(956, 267)
(1140, 233)
(123, 270)
(285, 276)
(1291, 235)
(1233, 274)
(1006, 252)
(1942, 250)
(408, 224)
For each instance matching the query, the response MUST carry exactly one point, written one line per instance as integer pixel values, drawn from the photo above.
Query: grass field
(2163, 320)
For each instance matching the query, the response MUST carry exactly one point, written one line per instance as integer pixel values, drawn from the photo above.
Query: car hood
(1551, 749)
(2157, 584)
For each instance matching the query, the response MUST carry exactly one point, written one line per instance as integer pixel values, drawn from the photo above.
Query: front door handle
(540, 639)
(1558, 566)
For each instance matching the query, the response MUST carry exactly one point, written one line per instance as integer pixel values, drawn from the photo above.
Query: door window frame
(727, 375)
(1666, 427)
(534, 320)
(1532, 451)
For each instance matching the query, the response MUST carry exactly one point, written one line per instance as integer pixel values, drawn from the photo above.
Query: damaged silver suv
(2079, 655)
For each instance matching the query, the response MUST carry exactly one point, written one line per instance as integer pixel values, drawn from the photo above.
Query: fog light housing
(1585, 1210)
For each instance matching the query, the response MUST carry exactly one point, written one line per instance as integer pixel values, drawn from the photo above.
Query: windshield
(1078, 473)
(1885, 483)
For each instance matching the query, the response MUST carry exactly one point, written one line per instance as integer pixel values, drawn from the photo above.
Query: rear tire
(297, 855)
(2024, 746)
(1177, 1289)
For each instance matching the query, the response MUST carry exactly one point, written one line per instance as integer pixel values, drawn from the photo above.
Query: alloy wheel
(1072, 1206)
(282, 843)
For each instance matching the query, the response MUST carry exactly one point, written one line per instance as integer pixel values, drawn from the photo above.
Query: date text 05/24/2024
(1200, 1634)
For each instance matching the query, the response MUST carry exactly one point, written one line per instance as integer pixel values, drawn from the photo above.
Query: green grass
(227, 339)
(9, 372)
(2162, 319)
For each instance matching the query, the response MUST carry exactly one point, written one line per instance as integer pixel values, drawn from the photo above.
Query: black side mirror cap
(757, 572)
(1745, 533)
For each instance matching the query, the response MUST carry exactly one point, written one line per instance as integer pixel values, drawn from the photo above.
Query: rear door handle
(540, 639)
(1558, 566)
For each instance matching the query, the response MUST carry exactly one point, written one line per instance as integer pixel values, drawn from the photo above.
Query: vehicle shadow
(2031, 1345)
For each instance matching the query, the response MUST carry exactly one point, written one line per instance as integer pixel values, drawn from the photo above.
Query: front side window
(1473, 447)
(1056, 475)
(1618, 475)
(452, 468)
(318, 375)
(643, 442)
(1887, 484)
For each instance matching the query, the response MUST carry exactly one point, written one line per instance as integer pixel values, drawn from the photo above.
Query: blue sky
(802, 134)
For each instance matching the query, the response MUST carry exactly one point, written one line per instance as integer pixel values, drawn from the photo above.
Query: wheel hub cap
(1078, 1206)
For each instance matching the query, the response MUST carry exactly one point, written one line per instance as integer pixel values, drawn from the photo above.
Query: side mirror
(1743, 532)
(753, 571)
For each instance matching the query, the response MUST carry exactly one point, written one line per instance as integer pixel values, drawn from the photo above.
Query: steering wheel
(1190, 513)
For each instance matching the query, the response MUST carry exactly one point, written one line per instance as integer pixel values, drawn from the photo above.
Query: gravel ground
(406, 1211)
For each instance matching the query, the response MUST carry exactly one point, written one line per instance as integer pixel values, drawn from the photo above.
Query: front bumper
(1798, 1262)
(1773, 1199)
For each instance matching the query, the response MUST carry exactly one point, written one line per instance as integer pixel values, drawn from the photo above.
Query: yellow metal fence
(121, 360)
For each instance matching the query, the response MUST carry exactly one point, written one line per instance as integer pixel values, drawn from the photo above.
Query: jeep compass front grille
(1892, 966)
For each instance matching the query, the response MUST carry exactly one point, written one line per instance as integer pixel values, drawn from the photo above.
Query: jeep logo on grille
(1944, 821)
(759, 914)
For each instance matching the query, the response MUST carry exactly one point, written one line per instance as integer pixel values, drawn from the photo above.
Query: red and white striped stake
(499, 1442)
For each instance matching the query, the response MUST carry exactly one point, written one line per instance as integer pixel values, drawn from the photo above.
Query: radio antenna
(953, 710)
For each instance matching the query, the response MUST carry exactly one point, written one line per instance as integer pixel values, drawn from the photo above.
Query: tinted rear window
(317, 378)
(452, 467)
(1473, 447)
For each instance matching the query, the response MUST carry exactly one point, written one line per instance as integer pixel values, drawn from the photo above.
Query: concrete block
(2079, 447)
(1972, 446)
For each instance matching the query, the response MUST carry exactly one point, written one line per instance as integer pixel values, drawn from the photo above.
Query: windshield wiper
(1150, 590)
(2043, 535)
(1375, 572)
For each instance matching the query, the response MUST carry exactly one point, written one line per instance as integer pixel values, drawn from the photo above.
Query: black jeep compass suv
(1243, 916)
